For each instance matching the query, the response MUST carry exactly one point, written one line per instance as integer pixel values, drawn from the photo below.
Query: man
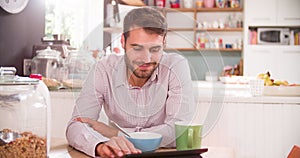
(144, 90)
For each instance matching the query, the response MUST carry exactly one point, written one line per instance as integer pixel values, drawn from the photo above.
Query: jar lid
(48, 53)
(8, 77)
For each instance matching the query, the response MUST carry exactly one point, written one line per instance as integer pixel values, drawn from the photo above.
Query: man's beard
(140, 73)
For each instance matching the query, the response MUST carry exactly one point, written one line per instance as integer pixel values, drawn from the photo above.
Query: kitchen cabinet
(288, 64)
(260, 59)
(272, 13)
(62, 104)
(267, 125)
(269, 130)
(281, 61)
(288, 12)
(183, 34)
(260, 12)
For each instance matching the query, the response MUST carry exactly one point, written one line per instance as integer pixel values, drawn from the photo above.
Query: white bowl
(145, 141)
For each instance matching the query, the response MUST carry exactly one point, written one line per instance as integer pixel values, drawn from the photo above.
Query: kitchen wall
(19, 32)
(209, 61)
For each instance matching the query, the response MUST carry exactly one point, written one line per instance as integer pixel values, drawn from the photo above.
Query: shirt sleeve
(88, 104)
(180, 103)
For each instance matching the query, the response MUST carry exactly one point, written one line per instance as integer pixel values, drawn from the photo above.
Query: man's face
(143, 52)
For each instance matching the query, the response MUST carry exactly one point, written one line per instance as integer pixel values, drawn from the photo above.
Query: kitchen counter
(236, 93)
(235, 120)
(60, 149)
(211, 92)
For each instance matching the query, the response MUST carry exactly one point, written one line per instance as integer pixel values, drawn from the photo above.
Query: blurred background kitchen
(227, 43)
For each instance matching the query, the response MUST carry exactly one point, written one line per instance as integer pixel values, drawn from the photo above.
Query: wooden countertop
(60, 149)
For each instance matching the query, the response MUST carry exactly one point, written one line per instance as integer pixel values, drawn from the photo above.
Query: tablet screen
(196, 153)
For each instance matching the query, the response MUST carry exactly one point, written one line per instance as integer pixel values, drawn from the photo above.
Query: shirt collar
(121, 73)
(154, 74)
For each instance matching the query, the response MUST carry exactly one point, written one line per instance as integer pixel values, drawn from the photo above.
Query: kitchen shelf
(180, 49)
(192, 28)
(222, 30)
(221, 49)
(219, 9)
(119, 29)
(113, 29)
(201, 9)
(181, 29)
(205, 49)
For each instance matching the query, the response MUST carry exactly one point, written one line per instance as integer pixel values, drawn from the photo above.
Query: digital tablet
(195, 153)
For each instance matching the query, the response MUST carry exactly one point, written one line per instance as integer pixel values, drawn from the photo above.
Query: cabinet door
(260, 59)
(289, 64)
(260, 12)
(288, 12)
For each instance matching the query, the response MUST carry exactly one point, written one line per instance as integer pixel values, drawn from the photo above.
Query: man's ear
(164, 42)
(123, 41)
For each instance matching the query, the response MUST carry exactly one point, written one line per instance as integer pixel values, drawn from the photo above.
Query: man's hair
(151, 20)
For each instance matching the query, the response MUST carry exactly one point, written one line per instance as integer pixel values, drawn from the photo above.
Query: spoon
(121, 129)
(7, 137)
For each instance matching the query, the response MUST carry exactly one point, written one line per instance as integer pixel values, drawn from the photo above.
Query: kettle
(48, 63)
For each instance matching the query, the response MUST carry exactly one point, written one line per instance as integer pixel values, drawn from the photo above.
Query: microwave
(279, 36)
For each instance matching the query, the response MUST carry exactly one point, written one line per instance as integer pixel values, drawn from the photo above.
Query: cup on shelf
(174, 3)
(160, 3)
(188, 3)
(199, 3)
(220, 3)
(209, 3)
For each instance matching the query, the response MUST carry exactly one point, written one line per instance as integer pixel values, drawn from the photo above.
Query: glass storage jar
(49, 63)
(79, 64)
(24, 116)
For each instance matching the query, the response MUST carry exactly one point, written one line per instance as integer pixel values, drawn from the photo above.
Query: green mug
(188, 135)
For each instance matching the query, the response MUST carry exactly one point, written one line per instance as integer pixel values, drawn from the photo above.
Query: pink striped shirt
(166, 97)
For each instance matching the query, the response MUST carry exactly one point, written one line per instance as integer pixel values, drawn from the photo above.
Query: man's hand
(116, 147)
(100, 127)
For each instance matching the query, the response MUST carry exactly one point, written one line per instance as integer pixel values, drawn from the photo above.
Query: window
(80, 21)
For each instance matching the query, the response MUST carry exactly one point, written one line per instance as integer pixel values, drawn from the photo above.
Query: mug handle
(190, 137)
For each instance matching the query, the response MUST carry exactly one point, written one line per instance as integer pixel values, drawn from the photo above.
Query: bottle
(292, 39)
(199, 3)
(254, 37)
(160, 3)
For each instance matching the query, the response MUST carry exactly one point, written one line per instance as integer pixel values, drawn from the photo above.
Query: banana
(281, 83)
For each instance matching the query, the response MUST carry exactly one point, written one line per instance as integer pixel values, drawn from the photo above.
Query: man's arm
(89, 103)
(84, 132)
